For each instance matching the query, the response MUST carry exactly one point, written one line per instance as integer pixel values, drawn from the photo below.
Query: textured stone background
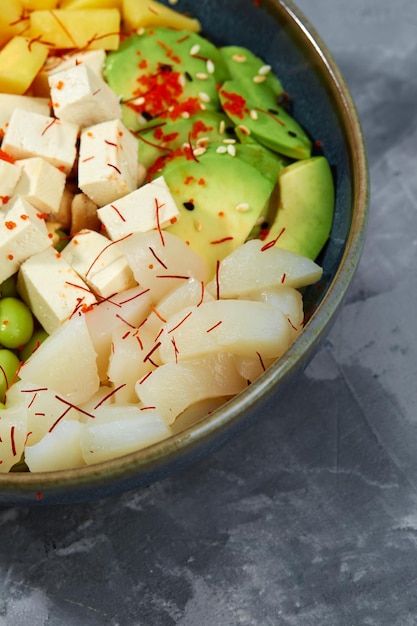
(310, 517)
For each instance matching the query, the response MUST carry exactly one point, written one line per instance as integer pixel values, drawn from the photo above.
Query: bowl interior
(321, 102)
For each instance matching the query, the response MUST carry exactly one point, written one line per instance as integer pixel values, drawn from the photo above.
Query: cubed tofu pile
(140, 332)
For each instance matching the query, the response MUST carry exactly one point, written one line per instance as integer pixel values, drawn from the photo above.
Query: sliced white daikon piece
(190, 293)
(58, 450)
(119, 430)
(251, 367)
(160, 261)
(127, 310)
(237, 326)
(254, 265)
(44, 408)
(65, 362)
(286, 299)
(173, 387)
(13, 429)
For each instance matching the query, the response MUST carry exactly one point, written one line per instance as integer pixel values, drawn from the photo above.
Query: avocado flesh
(306, 204)
(242, 63)
(243, 100)
(214, 189)
(158, 66)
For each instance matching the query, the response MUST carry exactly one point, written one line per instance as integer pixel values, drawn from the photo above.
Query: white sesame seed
(253, 114)
(198, 226)
(139, 101)
(204, 97)
(264, 70)
(185, 115)
(199, 151)
(201, 76)
(259, 221)
(231, 150)
(222, 127)
(203, 141)
(210, 66)
(181, 80)
(202, 106)
(244, 129)
(195, 50)
(229, 140)
(259, 78)
(242, 207)
(221, 150)
(141, 31)
(239, 58)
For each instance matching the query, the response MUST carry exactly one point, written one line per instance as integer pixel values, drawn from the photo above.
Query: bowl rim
(151, 463)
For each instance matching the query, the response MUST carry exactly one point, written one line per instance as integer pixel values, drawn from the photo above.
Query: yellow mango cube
(90, 29)
(90, 4)
(13, 20)
(34, 5)
(20, 61)
(141, 13)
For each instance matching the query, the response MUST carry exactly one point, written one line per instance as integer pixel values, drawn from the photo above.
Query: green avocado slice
(306, 206)
(220, 199)
(165, 73)
(254, 107)
(242, 63)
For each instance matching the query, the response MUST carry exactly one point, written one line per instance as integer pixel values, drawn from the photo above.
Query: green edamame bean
(8, 288)
(16, 323)
(9, 365)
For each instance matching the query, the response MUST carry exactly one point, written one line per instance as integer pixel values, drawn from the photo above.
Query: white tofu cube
(22, 233)
(147, 208)
(82, 97)
(9, 102)
(41, 184)
(33, 135)
(9, 176)
(99, 263)
(52, 289)
(93, 58)
(108, 162)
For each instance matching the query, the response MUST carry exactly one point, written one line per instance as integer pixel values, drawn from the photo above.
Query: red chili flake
(108, 396)
(10, 225)
(222, 240)
(217, 280)
(54, 121)
(200, 127)
(110, 143)
(5, 156)
(4, 199)
(272, 243)
(202, 294)
(261, 361)
(220, 213)
(118, 212)
(201, 181)
(176, 351)
(143, 64)
(283, 277)
(39, 496)
(60, 84)
(188, 180)
(12, 441)
(10, 257)
(142, 380)
(181, 322)
(24, 217)
(236, 104)
(148, 356)
(114, 167)
(318, 144)
(42, 216)
(213, 327)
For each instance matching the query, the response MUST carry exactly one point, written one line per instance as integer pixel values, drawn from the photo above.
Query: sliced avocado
(165, 73)
(269, 163)
(220, 199)
(159, 140)
(254, 107)
(242, 63)
(306, 206)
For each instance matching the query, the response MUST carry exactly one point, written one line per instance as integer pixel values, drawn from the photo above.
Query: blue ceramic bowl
(276, 31)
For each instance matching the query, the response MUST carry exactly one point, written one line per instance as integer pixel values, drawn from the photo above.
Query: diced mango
(12, 20)
(87, 29)
(141, 13)
(20, 61)
(34, 5)
(90, 4)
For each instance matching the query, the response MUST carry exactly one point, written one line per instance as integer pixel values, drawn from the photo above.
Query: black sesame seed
(230, 130)
(292, 133)
(165, 67)
(189, 206)
(148, 117)
(188, 76)
(264, 225)
(274, 111)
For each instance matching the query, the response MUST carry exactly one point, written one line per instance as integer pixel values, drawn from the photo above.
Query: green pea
(34, 342)
(9, 365)
(8, 287)
(63, 240)
(16, 323)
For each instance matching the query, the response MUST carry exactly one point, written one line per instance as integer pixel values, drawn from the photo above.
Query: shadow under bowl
(276, 31)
